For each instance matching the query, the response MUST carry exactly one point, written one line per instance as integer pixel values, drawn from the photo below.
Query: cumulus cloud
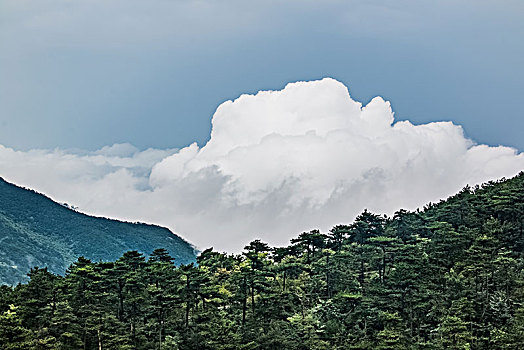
(277, 163)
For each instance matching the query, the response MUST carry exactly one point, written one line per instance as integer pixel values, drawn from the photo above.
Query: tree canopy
(447, 277)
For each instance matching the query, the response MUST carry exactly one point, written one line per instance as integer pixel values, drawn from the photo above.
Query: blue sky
(85, 74)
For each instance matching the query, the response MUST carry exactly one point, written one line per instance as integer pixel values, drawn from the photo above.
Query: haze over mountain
(35, 231)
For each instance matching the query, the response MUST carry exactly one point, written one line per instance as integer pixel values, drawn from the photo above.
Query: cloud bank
(277, 163)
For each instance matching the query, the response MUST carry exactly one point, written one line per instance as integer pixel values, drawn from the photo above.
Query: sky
(160, 110)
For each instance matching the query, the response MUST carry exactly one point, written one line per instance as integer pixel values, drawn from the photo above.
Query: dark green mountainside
(36, 231)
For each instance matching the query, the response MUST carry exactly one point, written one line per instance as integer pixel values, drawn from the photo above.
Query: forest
(447, 276)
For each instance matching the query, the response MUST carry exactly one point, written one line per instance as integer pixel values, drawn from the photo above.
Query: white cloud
(277, 163)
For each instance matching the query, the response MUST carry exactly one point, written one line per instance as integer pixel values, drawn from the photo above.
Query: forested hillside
(446, 277)
(35, 231)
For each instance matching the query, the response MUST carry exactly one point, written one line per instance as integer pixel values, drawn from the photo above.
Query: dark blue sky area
(92, 73)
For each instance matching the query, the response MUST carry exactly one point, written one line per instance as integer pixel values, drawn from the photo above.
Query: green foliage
(448, 277)
(35, 231)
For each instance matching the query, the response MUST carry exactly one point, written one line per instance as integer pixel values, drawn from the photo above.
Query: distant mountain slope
(36, 231)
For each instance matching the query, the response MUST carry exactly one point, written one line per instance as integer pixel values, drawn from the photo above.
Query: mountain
(36, 231)
(450, 276)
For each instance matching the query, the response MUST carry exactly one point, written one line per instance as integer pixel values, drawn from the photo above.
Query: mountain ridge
(37, 231)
